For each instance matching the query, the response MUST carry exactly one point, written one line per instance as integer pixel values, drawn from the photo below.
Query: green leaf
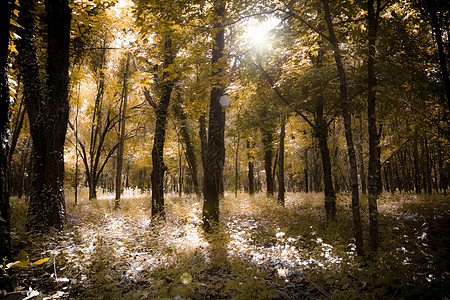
(23, 256)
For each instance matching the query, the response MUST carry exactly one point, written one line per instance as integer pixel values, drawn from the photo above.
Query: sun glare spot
(256, 33)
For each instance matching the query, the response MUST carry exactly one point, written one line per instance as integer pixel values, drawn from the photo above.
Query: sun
(257, 33)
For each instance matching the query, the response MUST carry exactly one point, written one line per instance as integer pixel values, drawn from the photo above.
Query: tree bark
(5, 225)
(122, 128)
(281, 183)
(432, 7)
(203, 135)
(215, 150)
(344, 99)
(427, 166)
(159, 168)
(236, 165)
(417, 184)
(362, 171)
(251, 159)
(189, 151)
(268, 157)
(76, 152)
(374, 138)
(321, 132)
(48, 111)
(96, 141)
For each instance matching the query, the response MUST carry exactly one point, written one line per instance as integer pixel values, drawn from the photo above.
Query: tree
(122, 128)
(187, 141)
(165, 87)
(215, 150)
(48, 109)
(374, 136)
(437, 13)
(320, 128)
(281, 185)
(344, 101)
(251, 160)
(267, 132)
(5, 237)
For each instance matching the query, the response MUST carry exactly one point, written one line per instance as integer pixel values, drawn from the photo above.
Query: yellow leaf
(41, 261)
(17, 264)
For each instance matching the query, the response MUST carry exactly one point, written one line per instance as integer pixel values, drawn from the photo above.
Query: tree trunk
(362, 171)
(92, 186)
(281, 186)
(17, 129)
(180, 169)
(427, 166)
(5, 226)
(251, 159)
(189, 152)
(159, 168)
(268, 157)
(321, 132)
(374, 138)
(387, 179)
(122, 128)
(215, 150)
(48, 119)
(442, 173)
(236, 165)
(96, 141)
(203, 143)
(76, 152)
(417, 185)
(432, 7)
(348, 130)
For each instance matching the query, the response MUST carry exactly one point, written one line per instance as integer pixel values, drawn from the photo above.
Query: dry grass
(260, 250)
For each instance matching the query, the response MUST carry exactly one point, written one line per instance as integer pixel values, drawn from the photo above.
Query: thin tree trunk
(268, 157)
(159, 168)
(180, 174)
(236, 165)
(96, 144)
(281, 183)
(361, 159)
(186, 139)
(97, 121)
(76, 151)
(122, 128)
(374, 138)
(442, 175)
(251, 159)
(386, 179)
(215, 150)
(348, 130)
(321, 132)
(427, 168)
(418, 187)
(5, 225)
(203, 143)
(17, 129)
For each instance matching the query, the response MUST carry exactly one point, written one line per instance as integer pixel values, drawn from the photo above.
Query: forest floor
(260, 251)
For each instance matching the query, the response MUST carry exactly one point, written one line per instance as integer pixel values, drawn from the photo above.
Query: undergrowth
(259, 251)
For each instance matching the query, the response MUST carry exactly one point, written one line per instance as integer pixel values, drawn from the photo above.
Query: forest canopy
(221, 149)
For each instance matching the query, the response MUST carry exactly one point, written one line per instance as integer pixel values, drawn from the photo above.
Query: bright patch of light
(256, 33)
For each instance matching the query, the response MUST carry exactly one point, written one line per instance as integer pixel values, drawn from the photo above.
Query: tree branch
(278, 93)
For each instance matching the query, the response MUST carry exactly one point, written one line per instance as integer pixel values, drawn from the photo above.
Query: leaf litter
(261, 251)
